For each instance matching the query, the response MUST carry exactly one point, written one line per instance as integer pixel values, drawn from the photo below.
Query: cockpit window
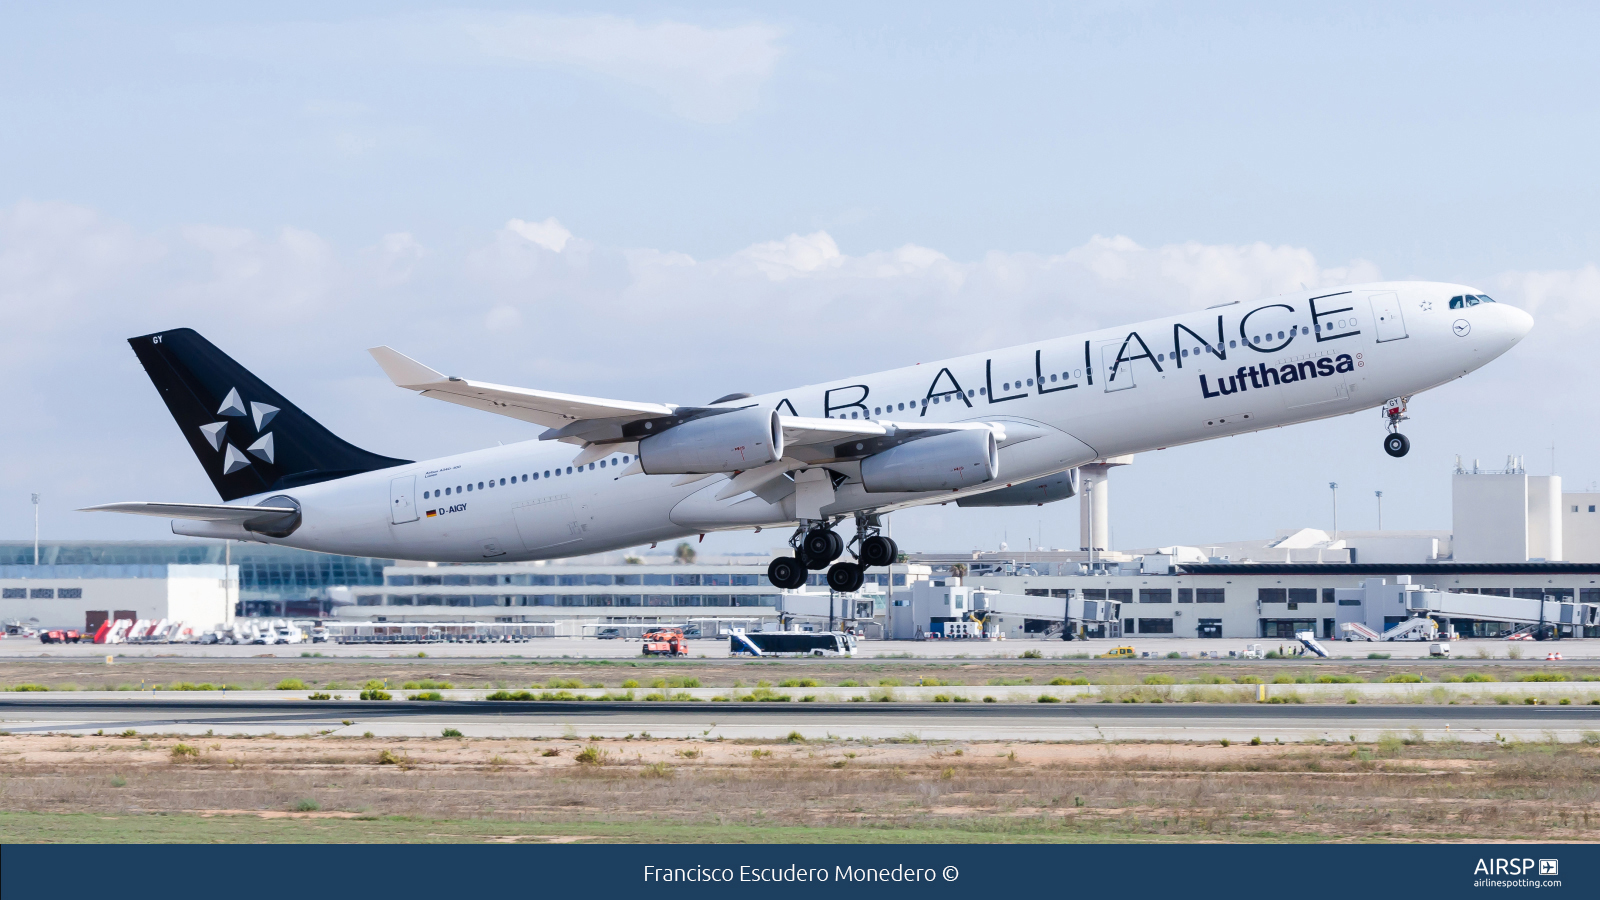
(1485, 298)
(1455, 303)
(1472, 300)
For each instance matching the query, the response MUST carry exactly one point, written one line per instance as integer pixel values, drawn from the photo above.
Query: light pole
(1334, 486)
(1380, 509)
(36, 529)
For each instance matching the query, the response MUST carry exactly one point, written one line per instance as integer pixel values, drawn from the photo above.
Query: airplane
(1005, 428)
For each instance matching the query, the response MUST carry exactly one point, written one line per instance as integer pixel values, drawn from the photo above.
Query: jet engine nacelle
(727, 442)
(943, 462)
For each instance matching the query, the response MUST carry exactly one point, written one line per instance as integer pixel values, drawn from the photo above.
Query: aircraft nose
(1518, 323)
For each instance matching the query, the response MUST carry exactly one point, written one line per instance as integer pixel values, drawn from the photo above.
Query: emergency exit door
(1118, 375)
(402, 500)
(1388, 321)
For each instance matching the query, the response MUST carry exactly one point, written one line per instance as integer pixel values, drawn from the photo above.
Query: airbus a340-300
(990, 429)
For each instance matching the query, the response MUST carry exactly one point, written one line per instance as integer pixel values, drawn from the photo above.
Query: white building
(1505, 515)
(83, 596)
(1580, 527)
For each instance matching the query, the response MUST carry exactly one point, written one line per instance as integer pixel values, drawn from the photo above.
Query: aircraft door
(547, 522)
(1387, 319)
(403, 500)
(1117, 377)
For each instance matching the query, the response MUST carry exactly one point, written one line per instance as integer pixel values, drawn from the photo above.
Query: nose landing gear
(1394, 443)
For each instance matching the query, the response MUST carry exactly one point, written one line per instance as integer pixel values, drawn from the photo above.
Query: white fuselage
(1065, 402)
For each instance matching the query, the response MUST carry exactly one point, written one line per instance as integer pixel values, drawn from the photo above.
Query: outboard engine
(943, 462)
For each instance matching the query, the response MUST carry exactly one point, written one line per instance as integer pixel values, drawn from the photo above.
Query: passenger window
(602, 464)
(447, 490)
(972, 393)
(591, 467)
(480, 485)
(535, 476)
(1052, 376)
(425, 496)
(1030, 382)
(1280, 335)
(1186, 353)
(1233, 344)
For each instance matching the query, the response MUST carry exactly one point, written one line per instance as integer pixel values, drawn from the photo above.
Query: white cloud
(549, 234)
(705, 74)
(793, 255)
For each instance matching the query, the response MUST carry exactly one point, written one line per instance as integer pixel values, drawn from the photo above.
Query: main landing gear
(817, 545)
(1394, 443)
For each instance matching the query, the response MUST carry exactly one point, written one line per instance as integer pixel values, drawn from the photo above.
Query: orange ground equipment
(667, 642)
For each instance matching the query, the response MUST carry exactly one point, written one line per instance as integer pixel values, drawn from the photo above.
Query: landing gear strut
(1394, 443)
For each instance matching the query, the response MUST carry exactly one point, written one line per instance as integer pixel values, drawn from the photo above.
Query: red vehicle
(669, 642)
(59, 636)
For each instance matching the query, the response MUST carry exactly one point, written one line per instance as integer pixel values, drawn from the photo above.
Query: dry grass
(694, 790)
(1219, 677)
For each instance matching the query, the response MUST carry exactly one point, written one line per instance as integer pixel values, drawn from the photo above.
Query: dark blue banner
(1103, 870)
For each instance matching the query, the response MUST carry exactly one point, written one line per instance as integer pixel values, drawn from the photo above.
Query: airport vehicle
(288, 633)
(1118, 653)
(667, 642)
(791, 643)
(60, 636)
(1002, 428)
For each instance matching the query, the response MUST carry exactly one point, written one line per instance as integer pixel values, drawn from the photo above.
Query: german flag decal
(432, 513)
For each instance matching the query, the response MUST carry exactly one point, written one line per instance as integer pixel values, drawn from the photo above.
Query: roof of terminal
(1446, 568)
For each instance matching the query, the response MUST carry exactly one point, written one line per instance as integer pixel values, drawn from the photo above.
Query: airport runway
(1043, 722)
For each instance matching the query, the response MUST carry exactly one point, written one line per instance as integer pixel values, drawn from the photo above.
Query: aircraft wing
(205, 512)
(562, 412)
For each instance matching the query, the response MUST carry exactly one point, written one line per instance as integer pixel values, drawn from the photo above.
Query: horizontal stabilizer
(204, 512)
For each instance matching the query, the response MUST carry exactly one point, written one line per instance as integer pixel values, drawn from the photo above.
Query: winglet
(403, 370)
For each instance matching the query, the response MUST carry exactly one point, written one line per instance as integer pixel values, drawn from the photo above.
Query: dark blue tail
(249, 439)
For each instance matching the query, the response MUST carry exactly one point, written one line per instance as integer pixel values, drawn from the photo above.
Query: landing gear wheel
(1397, 445)
(878, 551)
(786, 573)
(821, 546)
(846, 578)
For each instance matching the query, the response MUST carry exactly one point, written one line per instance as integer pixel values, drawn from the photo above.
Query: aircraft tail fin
(248, 438)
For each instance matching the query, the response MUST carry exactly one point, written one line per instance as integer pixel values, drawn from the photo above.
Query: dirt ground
(324, 789)
(320, 672)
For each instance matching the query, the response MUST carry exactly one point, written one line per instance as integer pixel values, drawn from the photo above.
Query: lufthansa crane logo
(216, 433)
(1461, 327)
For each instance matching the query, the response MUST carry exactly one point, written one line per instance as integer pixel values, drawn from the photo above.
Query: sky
(672, 202)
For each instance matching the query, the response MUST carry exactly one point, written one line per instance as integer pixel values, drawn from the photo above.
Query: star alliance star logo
(1427, 306)
(216, 433)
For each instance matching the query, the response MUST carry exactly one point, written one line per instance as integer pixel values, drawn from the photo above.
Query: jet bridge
(1379, 611)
